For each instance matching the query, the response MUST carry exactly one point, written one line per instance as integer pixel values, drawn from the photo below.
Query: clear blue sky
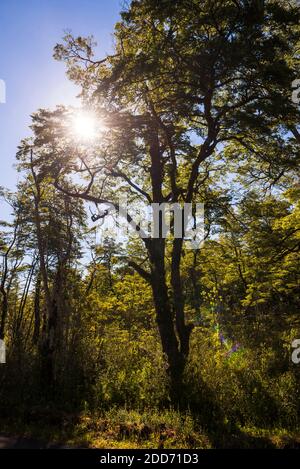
(29, 29)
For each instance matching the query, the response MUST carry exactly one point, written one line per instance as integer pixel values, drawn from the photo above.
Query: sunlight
(87, 126)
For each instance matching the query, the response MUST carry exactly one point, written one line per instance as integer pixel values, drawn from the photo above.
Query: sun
(86, 126)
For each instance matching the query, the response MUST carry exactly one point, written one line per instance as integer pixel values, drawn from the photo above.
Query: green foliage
(197, 100)
(247, 386)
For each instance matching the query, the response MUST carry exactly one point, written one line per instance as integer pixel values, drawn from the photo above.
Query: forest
(132, 341)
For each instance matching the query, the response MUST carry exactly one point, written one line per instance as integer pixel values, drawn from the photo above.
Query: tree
(56, 226)
(8, 244)
(189, 82)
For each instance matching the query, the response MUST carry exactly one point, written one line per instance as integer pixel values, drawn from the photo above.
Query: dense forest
(137, 341)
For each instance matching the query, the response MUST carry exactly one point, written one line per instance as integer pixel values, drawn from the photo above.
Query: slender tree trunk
(3, 287)
(4, 311)
(196, 287)
(23, 301)
(37, 310)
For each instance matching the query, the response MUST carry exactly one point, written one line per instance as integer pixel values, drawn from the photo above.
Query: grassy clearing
(122, 428)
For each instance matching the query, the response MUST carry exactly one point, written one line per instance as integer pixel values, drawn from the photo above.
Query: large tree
(191, 84)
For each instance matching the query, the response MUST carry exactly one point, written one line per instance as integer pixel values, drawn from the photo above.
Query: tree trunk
(37, 310)
(165, 320)
(48, 350)
(4, 310)
(4, 290)
(183, 330)
(50, 342)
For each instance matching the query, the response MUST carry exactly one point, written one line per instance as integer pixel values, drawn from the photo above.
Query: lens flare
(86, 127)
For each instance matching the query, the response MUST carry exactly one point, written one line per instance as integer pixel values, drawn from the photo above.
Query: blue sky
(29, 29)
